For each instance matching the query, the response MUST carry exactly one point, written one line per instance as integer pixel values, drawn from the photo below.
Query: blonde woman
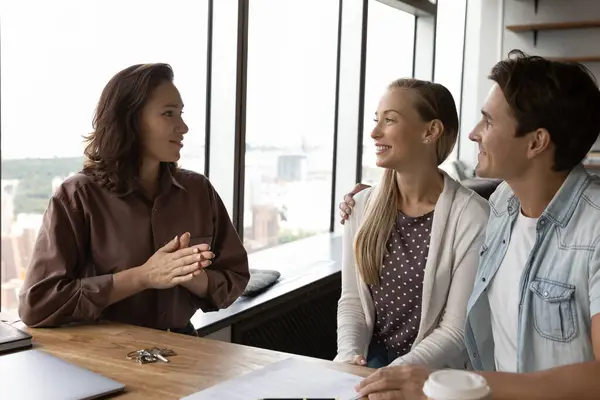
(411, 243)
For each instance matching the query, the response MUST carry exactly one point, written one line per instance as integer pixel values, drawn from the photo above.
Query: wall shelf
(553, 26)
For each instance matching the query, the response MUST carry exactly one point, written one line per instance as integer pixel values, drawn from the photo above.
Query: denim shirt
(560, 285)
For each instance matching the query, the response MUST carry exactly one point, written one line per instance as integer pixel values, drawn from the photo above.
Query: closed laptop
(35, 374)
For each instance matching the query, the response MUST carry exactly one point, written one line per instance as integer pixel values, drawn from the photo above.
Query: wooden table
(199, 364)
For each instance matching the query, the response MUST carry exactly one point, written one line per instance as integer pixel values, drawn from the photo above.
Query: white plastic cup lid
(456, 385)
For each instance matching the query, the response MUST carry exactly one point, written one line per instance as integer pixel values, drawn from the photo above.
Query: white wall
(487, 41)
(483, 49)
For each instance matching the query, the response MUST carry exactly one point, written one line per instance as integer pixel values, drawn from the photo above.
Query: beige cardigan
(457, 234)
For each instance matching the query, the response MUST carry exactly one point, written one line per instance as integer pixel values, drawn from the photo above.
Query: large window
(390, 45)
(292, 47)
(58, 55)
(56, 58)
(449, 46)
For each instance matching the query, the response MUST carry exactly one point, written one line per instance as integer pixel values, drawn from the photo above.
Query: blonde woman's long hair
(432, 101)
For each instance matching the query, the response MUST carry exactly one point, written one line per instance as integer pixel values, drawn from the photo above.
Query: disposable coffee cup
(452, 384)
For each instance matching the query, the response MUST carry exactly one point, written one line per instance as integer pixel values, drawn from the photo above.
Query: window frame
(347, 150)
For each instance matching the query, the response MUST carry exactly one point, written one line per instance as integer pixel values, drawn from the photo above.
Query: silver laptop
(34, 374)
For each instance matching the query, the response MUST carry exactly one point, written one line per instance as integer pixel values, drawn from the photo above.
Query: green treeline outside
(35, 179)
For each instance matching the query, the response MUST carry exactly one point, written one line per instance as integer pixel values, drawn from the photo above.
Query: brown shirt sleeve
(56, 291)
(228, 275)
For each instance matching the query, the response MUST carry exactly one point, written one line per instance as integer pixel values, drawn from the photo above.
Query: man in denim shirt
(533, 322)
(536, 301)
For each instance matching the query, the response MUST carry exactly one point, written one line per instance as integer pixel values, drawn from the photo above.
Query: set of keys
(152, 355)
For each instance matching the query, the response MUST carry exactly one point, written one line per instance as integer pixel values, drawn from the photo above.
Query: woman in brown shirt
(133, 238)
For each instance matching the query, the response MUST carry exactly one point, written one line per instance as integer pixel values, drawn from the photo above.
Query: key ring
(154, 354)
(142, 356)
(136, 354)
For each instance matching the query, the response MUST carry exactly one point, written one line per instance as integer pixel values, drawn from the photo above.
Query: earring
(426, 140)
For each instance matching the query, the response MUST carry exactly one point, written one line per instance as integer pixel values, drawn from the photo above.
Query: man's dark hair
(113, 149)
(561, 97)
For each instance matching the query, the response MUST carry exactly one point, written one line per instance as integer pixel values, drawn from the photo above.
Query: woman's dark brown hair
(113, 149)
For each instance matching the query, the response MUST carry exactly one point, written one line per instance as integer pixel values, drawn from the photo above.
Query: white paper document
(289, 378)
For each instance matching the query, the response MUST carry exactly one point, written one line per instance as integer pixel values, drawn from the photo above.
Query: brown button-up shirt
(89, 233)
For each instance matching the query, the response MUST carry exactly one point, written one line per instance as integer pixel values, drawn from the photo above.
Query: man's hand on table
(403, 382)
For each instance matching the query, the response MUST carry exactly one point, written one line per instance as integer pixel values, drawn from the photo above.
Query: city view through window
(289, 120)
(56, 61)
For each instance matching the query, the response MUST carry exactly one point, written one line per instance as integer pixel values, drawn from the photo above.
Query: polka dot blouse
(397, 296)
